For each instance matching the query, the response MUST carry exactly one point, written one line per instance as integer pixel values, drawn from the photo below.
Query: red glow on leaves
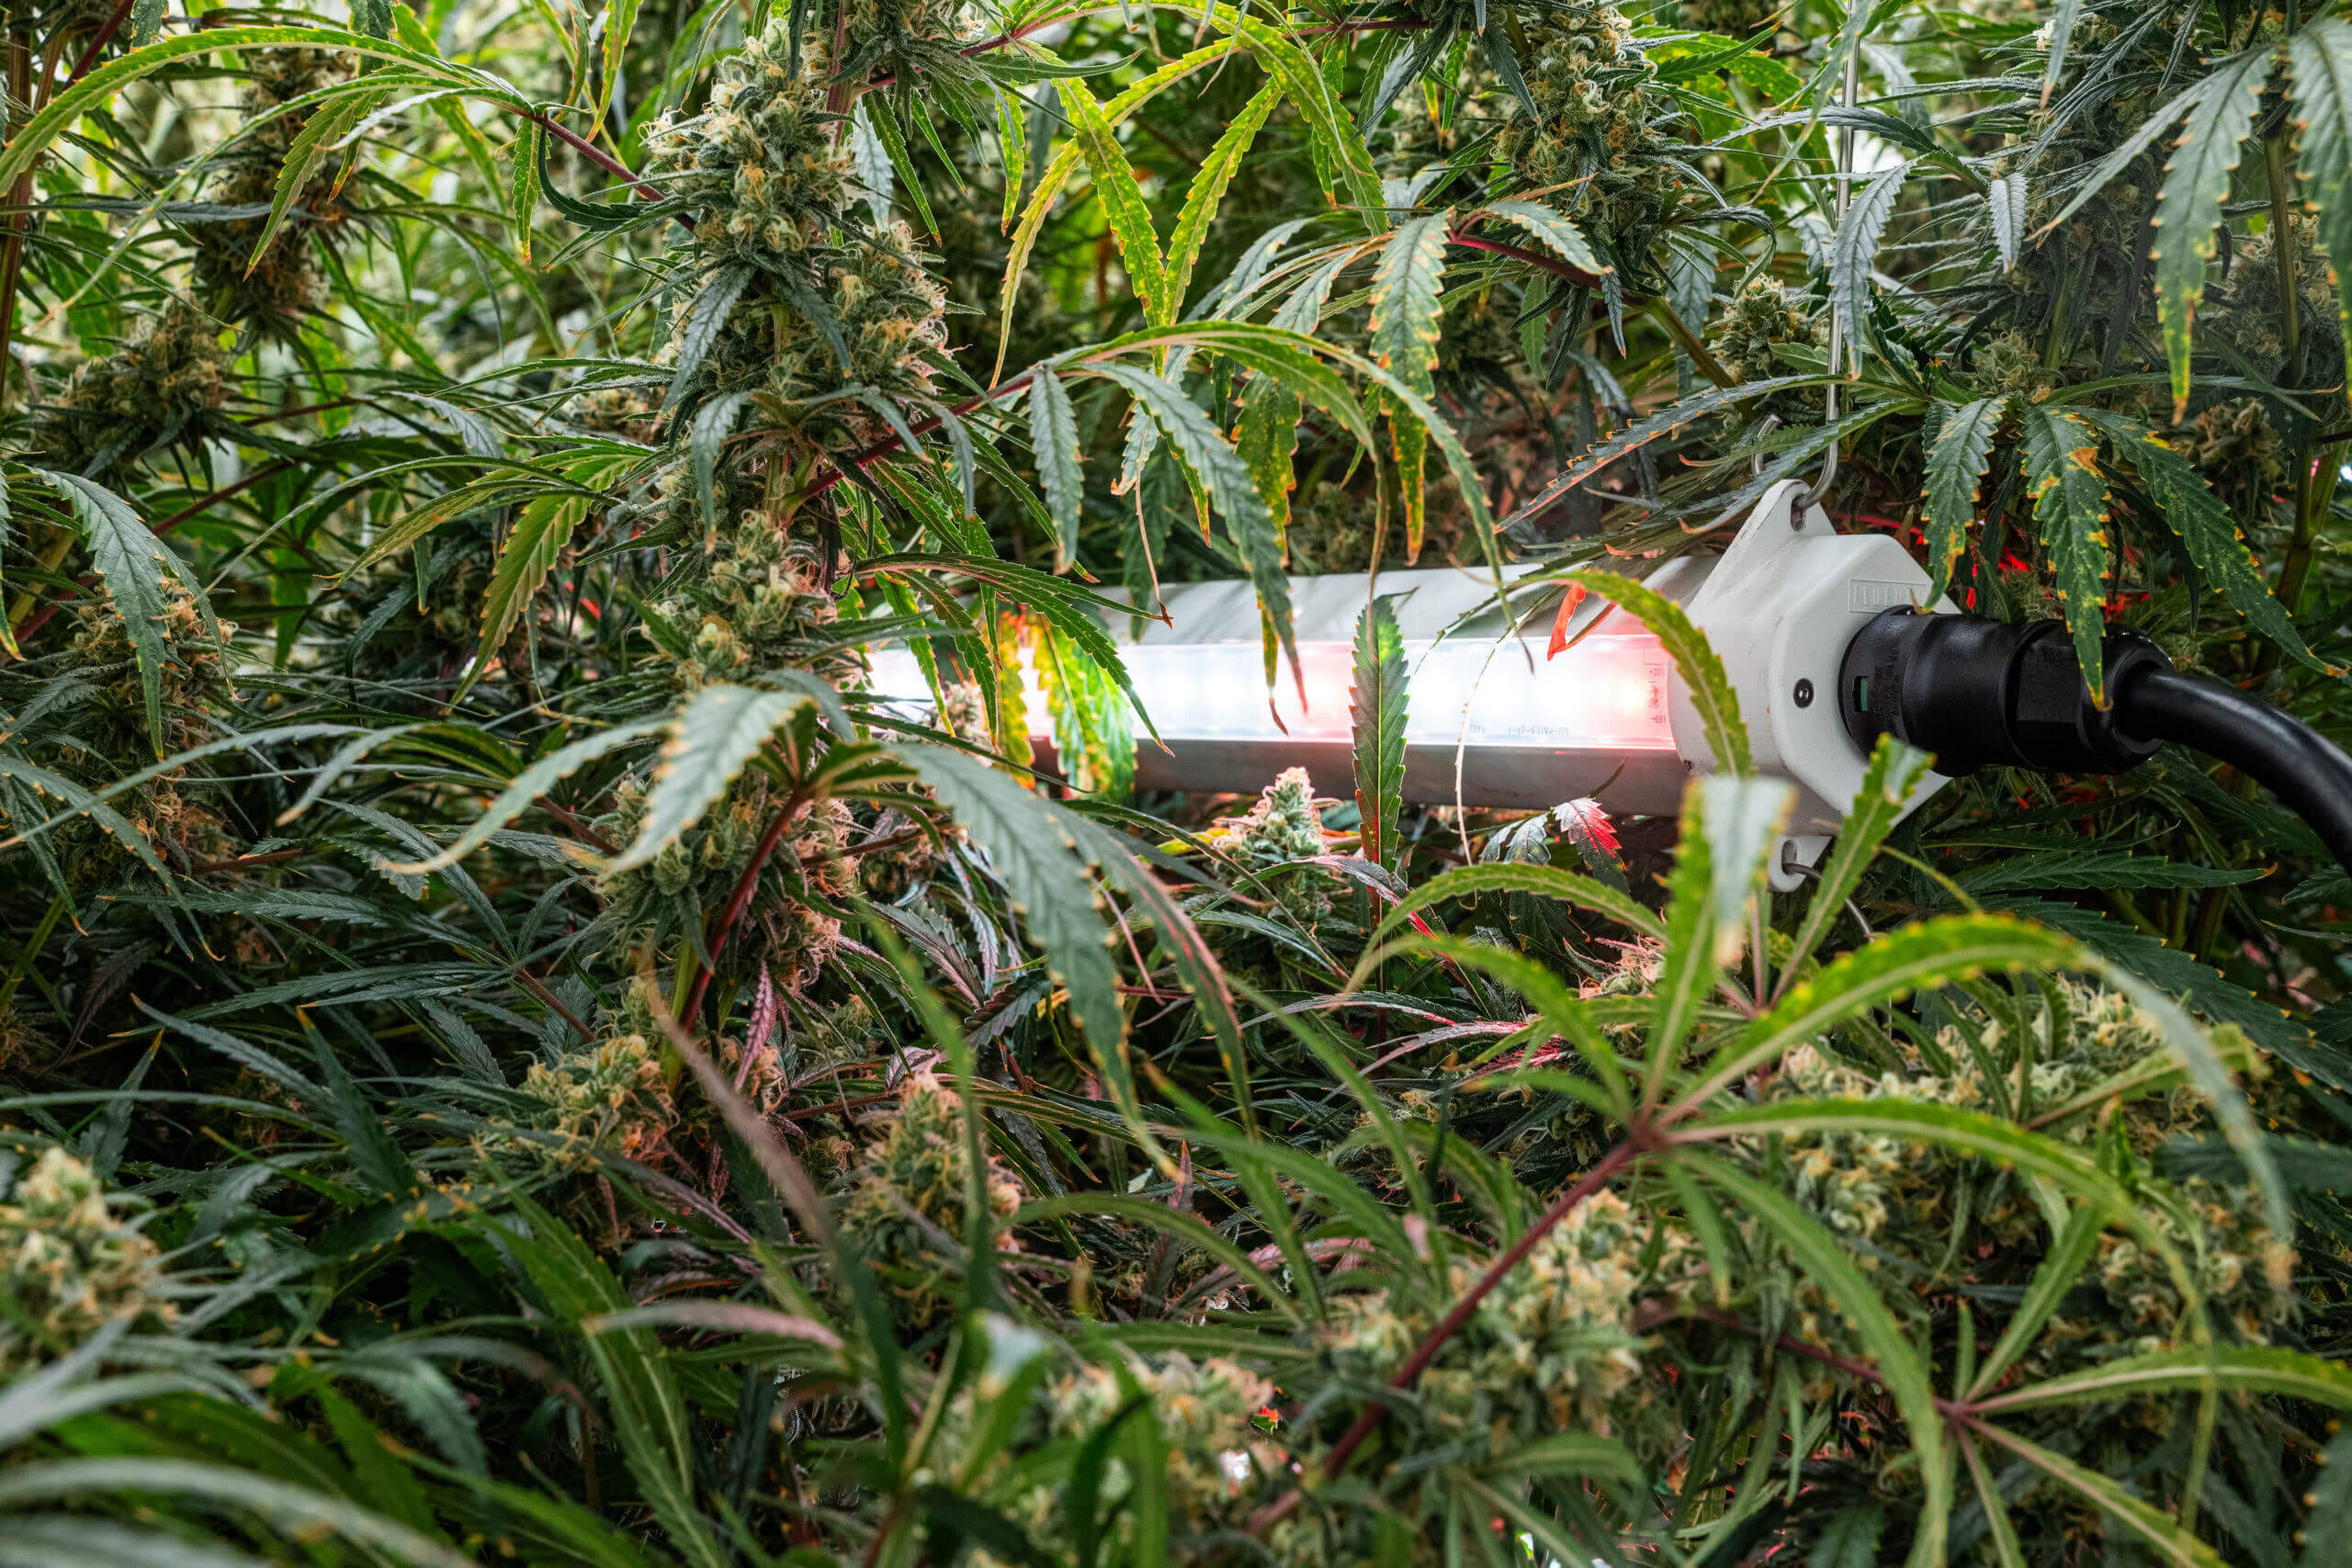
(1568, 605)
(1587, 817)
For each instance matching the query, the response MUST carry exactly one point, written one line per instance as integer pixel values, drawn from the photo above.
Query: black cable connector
(1979, 693)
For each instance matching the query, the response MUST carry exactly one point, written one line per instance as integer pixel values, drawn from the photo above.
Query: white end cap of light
(1779, 608)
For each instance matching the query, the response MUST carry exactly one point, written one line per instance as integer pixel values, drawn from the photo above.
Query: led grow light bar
(1490, 720)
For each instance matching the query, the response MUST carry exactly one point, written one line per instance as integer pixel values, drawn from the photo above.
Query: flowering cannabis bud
(1597, 121)
(72, 1266)
(905, 1197)
(1551, 1347)
(276, 288)
(761, 163)
(606, 1097)
(158, 387)
(1283, 825)
(1759, 318)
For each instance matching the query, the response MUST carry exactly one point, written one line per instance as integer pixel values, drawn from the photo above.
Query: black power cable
(1979, 693)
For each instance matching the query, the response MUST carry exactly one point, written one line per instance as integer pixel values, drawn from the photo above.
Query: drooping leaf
(1711, 689)
(2005, 201)
(2061, 453)
(1053, 440)
(711, 739)
(2319, 56)
(2188, 205)
(704, 321)
(1207, 193)
(1830, 1268)
(650, 1419)
(2163, 1537)
(303, 156)
(1230, 489)
(1034, 848)
(1562, 237)
(1893, 773)
(1342, 163)
(529, 786)
(1115, 187)
(1406, 305)
(1956, 462)
(1854, 253)
(134, 563)
(1584, 823)
(2208, 530)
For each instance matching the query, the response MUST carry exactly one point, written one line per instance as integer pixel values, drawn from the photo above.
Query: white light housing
(1493, 722)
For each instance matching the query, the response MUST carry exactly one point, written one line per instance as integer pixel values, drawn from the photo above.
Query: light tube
(1490, 720)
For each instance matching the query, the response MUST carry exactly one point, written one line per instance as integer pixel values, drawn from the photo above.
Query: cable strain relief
(2054, 725)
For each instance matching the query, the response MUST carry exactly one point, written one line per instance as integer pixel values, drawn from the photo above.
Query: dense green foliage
(513, 1051)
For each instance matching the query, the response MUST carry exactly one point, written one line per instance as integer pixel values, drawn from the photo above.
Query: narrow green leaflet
(2188, 205)
(1115, 187)
(2208, 530)
(1895, 770)
(1928, 953)
(1208, 190)
(1539, 881)
(2004, 203)
(1827, 1265)
(620, 21)
(2164, 1540)
(92, 91)
(303, 1512)
(1093, 741)
(1033, 844)
(1641, 433)
(1956, 463)
(529, 784)
(2320, 55)
(2238, 1368)
(1189, 954)
(523, 195)
(1341, 161)
(1057, 174)
(1053, 439)
(2070, 503)
(1688, 961)
(1231, 490)
(542, 529)
(704, 320)
(1376, 708)
(1703, 672)
(1744, 819)
(1407, 289)
(308, 151)
(134, 562)
(649, 1415)
(1563, 238)
(718, 731)
(1854, 252)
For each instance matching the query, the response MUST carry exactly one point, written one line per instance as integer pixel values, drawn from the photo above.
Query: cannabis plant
(519, 1044)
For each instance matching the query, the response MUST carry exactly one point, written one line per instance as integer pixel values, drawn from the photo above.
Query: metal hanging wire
(1819, 489)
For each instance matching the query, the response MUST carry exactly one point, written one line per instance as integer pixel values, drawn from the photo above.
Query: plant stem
(99, 40)
(737, 902)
